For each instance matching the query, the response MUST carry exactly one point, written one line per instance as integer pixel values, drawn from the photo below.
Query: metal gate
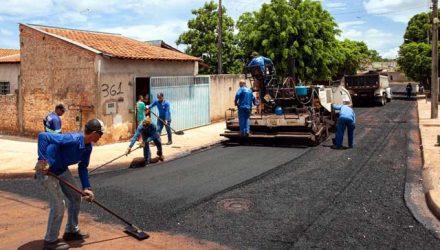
(188, 97)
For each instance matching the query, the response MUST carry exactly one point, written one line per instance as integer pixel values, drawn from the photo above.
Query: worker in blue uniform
(56, 152)
(347, 118)
(261, 61)
(244, 98)
(164, 114)
(52, 122)
(149, 134)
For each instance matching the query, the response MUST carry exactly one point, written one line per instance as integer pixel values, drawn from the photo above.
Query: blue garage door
(188, 97)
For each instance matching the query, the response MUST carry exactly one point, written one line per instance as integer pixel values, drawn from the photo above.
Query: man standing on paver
(164, 116)
(140, 110)
(59, 151)
(52, 122)
(347, 118)
(244, 98)
(149, 134)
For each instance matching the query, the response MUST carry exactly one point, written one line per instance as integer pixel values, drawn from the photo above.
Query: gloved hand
(90, 195)
(128, 151)
(141, 144)
(41, 166)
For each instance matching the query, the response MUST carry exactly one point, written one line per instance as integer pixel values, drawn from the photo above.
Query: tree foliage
(293, 33)
(201, 39)
(415, 53)
(415, 60)
(354, 55)
(419, 29)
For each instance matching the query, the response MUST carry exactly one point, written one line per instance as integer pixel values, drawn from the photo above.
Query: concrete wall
(397, 77)
(8, 106)
(117, 83)
(223, 89)
(54, 71)
(10, 72)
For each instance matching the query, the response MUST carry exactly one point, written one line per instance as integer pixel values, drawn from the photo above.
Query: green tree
(293, 33)
(201, 39)
(415, 60)
(419, 29)
(354, 55)
(415, 53)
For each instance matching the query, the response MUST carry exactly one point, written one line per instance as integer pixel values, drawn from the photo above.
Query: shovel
(175, 132)
(130, 229)
(93, 170)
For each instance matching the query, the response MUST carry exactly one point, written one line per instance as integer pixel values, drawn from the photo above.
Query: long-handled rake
(175, 132)
(93, 170)
(129, 229)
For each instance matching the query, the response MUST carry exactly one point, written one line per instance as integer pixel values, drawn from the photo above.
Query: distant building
(9, 81)
(162, 44)
(391, 68)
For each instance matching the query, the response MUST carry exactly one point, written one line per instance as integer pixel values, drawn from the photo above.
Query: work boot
(336, 147)
(75, 236)
(169, 143)
(55, 245)
(161, 158)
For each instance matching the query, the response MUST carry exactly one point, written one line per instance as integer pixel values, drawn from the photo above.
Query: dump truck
(372, 86)
(287, 110)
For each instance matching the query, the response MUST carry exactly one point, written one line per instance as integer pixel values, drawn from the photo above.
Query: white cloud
(26, 8)
(72, 17)
(168, 32)
(346, 25)
(5, 32)
(391, 53)
(397, 10)
(376, 39)
(336, 6)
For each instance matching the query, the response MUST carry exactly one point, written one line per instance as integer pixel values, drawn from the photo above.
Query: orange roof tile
(9, 56)
(117, 45)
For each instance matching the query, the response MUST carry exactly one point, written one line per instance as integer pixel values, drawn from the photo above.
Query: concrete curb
(122, 166)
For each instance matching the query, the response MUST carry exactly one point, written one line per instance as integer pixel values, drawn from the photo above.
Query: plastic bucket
(301, 90)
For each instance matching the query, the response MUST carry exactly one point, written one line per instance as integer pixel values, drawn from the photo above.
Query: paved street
(255, 197)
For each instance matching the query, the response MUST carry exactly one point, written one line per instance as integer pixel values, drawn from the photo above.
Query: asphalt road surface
(257, 197)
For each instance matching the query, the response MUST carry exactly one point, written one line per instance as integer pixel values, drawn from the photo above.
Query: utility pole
(219, 42)
(434, 76)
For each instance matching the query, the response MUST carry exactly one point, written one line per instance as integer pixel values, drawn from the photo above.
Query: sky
(379, 23)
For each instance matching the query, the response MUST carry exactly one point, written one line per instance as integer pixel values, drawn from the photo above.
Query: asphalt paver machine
(287, 110)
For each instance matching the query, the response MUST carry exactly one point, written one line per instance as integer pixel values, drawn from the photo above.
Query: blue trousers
(147, 152)
(160, 126)
(340, 130)
(243, 119)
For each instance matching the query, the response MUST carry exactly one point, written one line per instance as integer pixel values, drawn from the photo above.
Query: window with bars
(5, 88)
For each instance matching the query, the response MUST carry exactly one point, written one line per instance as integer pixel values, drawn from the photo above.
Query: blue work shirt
(63, 150)
(164, 109)
(52, 123)
(345, 112)
(244, 98)
(260, 61)
(148, 134)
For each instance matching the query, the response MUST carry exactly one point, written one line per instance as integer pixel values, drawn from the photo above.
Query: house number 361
(112, 90)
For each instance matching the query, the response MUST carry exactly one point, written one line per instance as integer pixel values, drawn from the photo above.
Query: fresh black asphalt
(293, 197)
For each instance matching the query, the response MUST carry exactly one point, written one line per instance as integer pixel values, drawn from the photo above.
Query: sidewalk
(18, 155)
(429, 130)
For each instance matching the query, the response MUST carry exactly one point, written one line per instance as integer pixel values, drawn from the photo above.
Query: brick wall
(54, 71)
(8, 105)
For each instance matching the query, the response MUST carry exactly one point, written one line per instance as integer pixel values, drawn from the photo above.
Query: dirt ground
(23, 224)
